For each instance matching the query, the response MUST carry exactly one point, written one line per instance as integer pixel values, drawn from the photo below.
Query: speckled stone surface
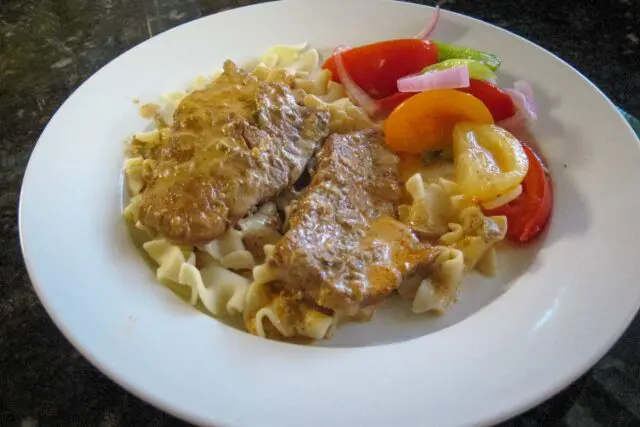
(49, 47)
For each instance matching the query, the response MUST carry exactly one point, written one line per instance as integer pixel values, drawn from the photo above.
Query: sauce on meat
(233, 145)
(344, 248)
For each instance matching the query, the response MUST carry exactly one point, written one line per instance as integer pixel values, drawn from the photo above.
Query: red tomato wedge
(390, 103)
(529, 214)
(497, 101)
(500, 104)
(377, 67)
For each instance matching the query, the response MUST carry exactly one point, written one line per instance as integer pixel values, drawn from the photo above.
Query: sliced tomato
(390, 103)
(529, 214)
(377, 67)
(496, 100)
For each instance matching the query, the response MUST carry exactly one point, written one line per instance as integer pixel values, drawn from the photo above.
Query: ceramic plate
(508, 344)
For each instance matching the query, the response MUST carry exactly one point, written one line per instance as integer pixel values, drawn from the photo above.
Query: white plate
(515, 340)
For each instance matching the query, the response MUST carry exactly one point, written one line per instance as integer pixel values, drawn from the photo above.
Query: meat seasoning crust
(344, 249)
(234, 144)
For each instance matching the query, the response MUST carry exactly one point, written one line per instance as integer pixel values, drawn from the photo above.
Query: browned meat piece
(234, 144)
(344, 249)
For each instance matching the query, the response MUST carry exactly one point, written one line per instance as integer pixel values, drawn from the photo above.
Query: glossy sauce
(344, 248)
(233, 145)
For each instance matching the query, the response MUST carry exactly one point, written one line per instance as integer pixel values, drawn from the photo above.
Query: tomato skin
(377, 67)
(529, 214)
(496, 100)
(390, 103)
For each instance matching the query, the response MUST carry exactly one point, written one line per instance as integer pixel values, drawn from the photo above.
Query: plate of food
(336, 213)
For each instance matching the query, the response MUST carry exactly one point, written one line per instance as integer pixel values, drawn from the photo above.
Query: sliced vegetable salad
(432, 97)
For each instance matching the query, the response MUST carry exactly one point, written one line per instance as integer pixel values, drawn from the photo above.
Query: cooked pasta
(432, 207)
(277, 315)
(438, 292)
(280, 314)
(171, 259)
(229, 251)
(220, 290)
(488, 263)
(133, 171)
(437, 212)
(320, 91)
(474, 235)
(234, 274)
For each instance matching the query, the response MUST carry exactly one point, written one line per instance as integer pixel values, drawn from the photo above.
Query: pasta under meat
(231, 275)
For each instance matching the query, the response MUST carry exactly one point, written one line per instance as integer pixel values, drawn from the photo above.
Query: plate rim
(559, 384)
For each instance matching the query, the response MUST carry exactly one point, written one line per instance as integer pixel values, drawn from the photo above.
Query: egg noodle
(228, 276)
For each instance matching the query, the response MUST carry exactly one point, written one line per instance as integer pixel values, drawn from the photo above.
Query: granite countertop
(49, 47)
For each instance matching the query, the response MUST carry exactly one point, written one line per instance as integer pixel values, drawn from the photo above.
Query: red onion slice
(426, 33)
(449, 78)
(522, 96)
(354, 92)
(526, 89)
(526, 109)
(514, 124)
